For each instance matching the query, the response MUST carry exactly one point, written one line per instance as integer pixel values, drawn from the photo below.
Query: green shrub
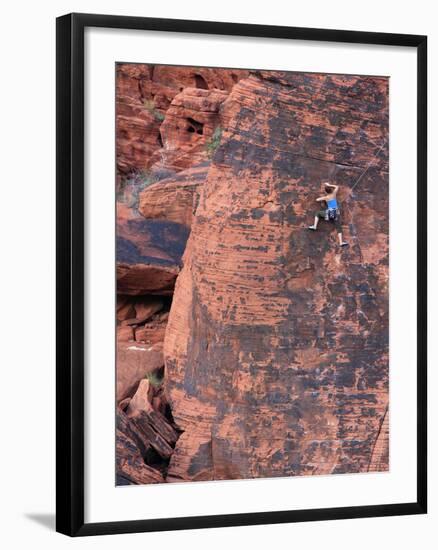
(159, 116)
(150, 106)
(214, 141)
(131, 187)
(155, 379)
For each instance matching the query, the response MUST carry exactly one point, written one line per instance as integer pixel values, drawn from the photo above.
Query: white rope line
(353, 226)
(369, 165)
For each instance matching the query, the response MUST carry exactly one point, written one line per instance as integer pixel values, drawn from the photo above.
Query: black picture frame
(70, 273)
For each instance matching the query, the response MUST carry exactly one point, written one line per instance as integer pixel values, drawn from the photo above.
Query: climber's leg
(320, 214)
(341, 242)
(339, 231)
(315, 224)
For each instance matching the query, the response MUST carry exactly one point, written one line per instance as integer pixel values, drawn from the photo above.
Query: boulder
(174, 199)
(141, 401)
(189, 128)
(125, 308)
(146, 278)
(125, 333)
(124, 425)
(144, 308)
(130, 466)
(148, 256)
(134, 361)
(145, 440)
(151, 333)
(155, 429)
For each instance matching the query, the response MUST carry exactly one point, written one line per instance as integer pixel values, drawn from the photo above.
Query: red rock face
(166, 122)
(141, 327)
(188, 127)
(174, 199)
(143, 96)
(135, 360)
(276, 349)
(148, 255)
(138, 121)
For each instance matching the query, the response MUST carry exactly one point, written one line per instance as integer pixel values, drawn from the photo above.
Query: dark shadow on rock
(46, 520)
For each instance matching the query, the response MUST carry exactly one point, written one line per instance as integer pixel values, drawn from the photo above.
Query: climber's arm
(334, 187)
(320, 199)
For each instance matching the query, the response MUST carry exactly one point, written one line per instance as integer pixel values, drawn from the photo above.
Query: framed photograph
(241, 274)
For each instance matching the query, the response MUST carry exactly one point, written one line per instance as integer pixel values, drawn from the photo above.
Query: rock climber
(331, 213)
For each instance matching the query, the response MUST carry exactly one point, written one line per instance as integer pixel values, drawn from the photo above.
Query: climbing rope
(368, 167)
(353, 227)
(323, 83)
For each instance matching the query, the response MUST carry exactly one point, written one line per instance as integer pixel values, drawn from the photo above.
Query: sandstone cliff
(144, 93)
(167, 124)
(276, 349)
(275, 357)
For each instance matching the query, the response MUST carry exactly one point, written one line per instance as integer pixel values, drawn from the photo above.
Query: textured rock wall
(189, 125)
(276, 349)
(144, 93)
(174, 199)
(166, 123)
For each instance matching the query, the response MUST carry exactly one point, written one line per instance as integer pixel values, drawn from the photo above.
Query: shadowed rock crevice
(201, 82)
(195, 126)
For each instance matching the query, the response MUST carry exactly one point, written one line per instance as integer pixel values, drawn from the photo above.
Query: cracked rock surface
(276, 349)
(247, 345)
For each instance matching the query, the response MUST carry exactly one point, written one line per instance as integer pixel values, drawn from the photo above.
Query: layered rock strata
(143, 96)
(174, 199)
(276, 349)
